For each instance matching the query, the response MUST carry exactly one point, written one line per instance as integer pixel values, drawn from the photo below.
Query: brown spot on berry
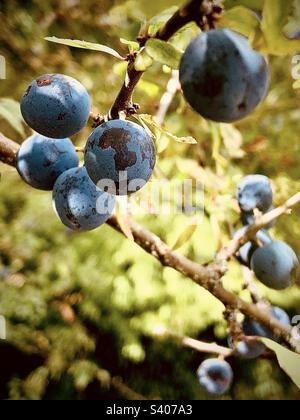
(118, 139)
(44, 81)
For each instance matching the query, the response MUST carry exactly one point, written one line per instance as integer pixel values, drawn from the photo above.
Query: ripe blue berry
(40, 160)
(255, 192)
(215, 376)
(254, 349)
(248, 218)
(276, 265)
(56, 106)
(222, 77)
(247, 250)
(120, 157)
(80, 205)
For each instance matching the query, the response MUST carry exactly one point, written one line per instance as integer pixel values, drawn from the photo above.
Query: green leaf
(158, 130)
(164, 53)
(241, 19)
(157, 22)
(85, 45)
(10, 111)
(185, 35)
(143, 61)
(288, 360)
(276, 14)
(132, 45)
(185, 236)
(296, 85)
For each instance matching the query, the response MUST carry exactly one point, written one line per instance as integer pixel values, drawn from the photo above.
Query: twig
(172, 88)
(249, 283)
(261, 222)
(202, 347)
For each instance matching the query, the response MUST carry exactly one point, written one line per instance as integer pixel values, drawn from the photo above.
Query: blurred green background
(82, 307)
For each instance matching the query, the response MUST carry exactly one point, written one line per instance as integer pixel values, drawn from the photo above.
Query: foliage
(81, 307)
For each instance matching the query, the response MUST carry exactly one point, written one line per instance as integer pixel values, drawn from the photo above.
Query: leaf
(184, 140)
(241, 19)
(158, 21)
(85, 45)
(10, 111)
(276, 14)
(296, 85)
(164, 53)
(288, 360)
(185, 236)
(132, 45)
(152, 124)
(185, 36)
(143, 61)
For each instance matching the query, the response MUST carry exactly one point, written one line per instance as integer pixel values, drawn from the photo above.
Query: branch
(202, 347)
(194, 10)
(8, 150)
(208, 277)
(250, 285)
